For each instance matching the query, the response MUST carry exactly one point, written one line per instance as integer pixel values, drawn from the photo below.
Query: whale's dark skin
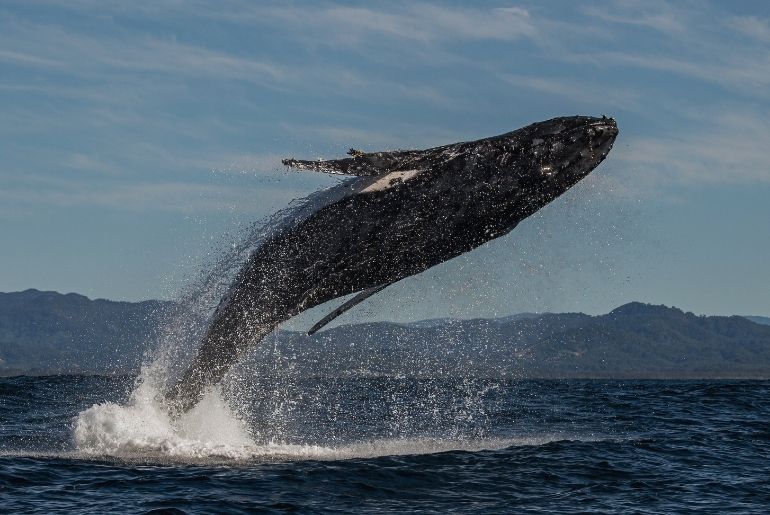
(410, 210)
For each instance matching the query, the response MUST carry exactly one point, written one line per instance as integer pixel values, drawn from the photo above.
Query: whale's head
(561, 151)
(525, 169)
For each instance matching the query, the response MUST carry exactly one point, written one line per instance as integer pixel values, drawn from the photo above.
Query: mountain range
(49, 332)
(759, 320)
(45, 331)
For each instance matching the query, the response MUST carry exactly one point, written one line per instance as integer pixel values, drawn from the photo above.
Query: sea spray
(212, 428)
(143, 427)
(186, 323)
(266, 407)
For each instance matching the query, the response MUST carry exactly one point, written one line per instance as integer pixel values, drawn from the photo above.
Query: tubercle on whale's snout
(608, 127)
(601, 137)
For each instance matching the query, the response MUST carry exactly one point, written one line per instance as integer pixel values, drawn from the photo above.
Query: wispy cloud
(656, 15)
(167, 196)
(752, 26)
(580, 91)
(81, 162)
(726, 147)
(44, 45)
(415, 22)
(749, 74)
(28, 59)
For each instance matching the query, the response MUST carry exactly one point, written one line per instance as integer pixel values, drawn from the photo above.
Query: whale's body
(406, 212)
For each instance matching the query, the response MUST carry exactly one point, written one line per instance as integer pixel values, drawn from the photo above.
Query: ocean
(93, 444)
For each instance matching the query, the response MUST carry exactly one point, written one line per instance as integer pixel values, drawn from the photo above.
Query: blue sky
(138, 136)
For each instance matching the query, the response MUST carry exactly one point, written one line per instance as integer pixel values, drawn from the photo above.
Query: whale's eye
(547, 170)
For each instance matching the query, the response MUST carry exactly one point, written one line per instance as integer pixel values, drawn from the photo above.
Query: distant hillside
(43, 331)
(759, 320)
(632, 341)
(47, 331)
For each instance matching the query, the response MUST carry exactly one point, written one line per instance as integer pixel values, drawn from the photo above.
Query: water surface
(96, 444)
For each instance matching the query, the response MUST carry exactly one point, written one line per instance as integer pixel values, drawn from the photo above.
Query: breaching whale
(404, 212)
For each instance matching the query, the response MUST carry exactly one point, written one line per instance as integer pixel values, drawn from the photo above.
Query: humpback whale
(400, 213)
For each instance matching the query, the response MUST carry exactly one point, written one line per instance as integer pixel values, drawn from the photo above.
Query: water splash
(186, 323)
(279, 415)
(212, 428)
(143, 427)
(212, 432)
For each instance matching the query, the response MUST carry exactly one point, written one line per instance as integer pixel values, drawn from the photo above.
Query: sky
(138, 138)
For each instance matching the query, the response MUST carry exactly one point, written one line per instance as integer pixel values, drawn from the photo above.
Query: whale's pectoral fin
(362, 164)
(347, 166)
(362, 296)
(358, 165)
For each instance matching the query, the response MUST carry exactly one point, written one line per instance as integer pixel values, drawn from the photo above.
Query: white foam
(143, 428)
(407, 447)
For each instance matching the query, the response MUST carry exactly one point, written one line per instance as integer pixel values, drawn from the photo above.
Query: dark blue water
(405, 445)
